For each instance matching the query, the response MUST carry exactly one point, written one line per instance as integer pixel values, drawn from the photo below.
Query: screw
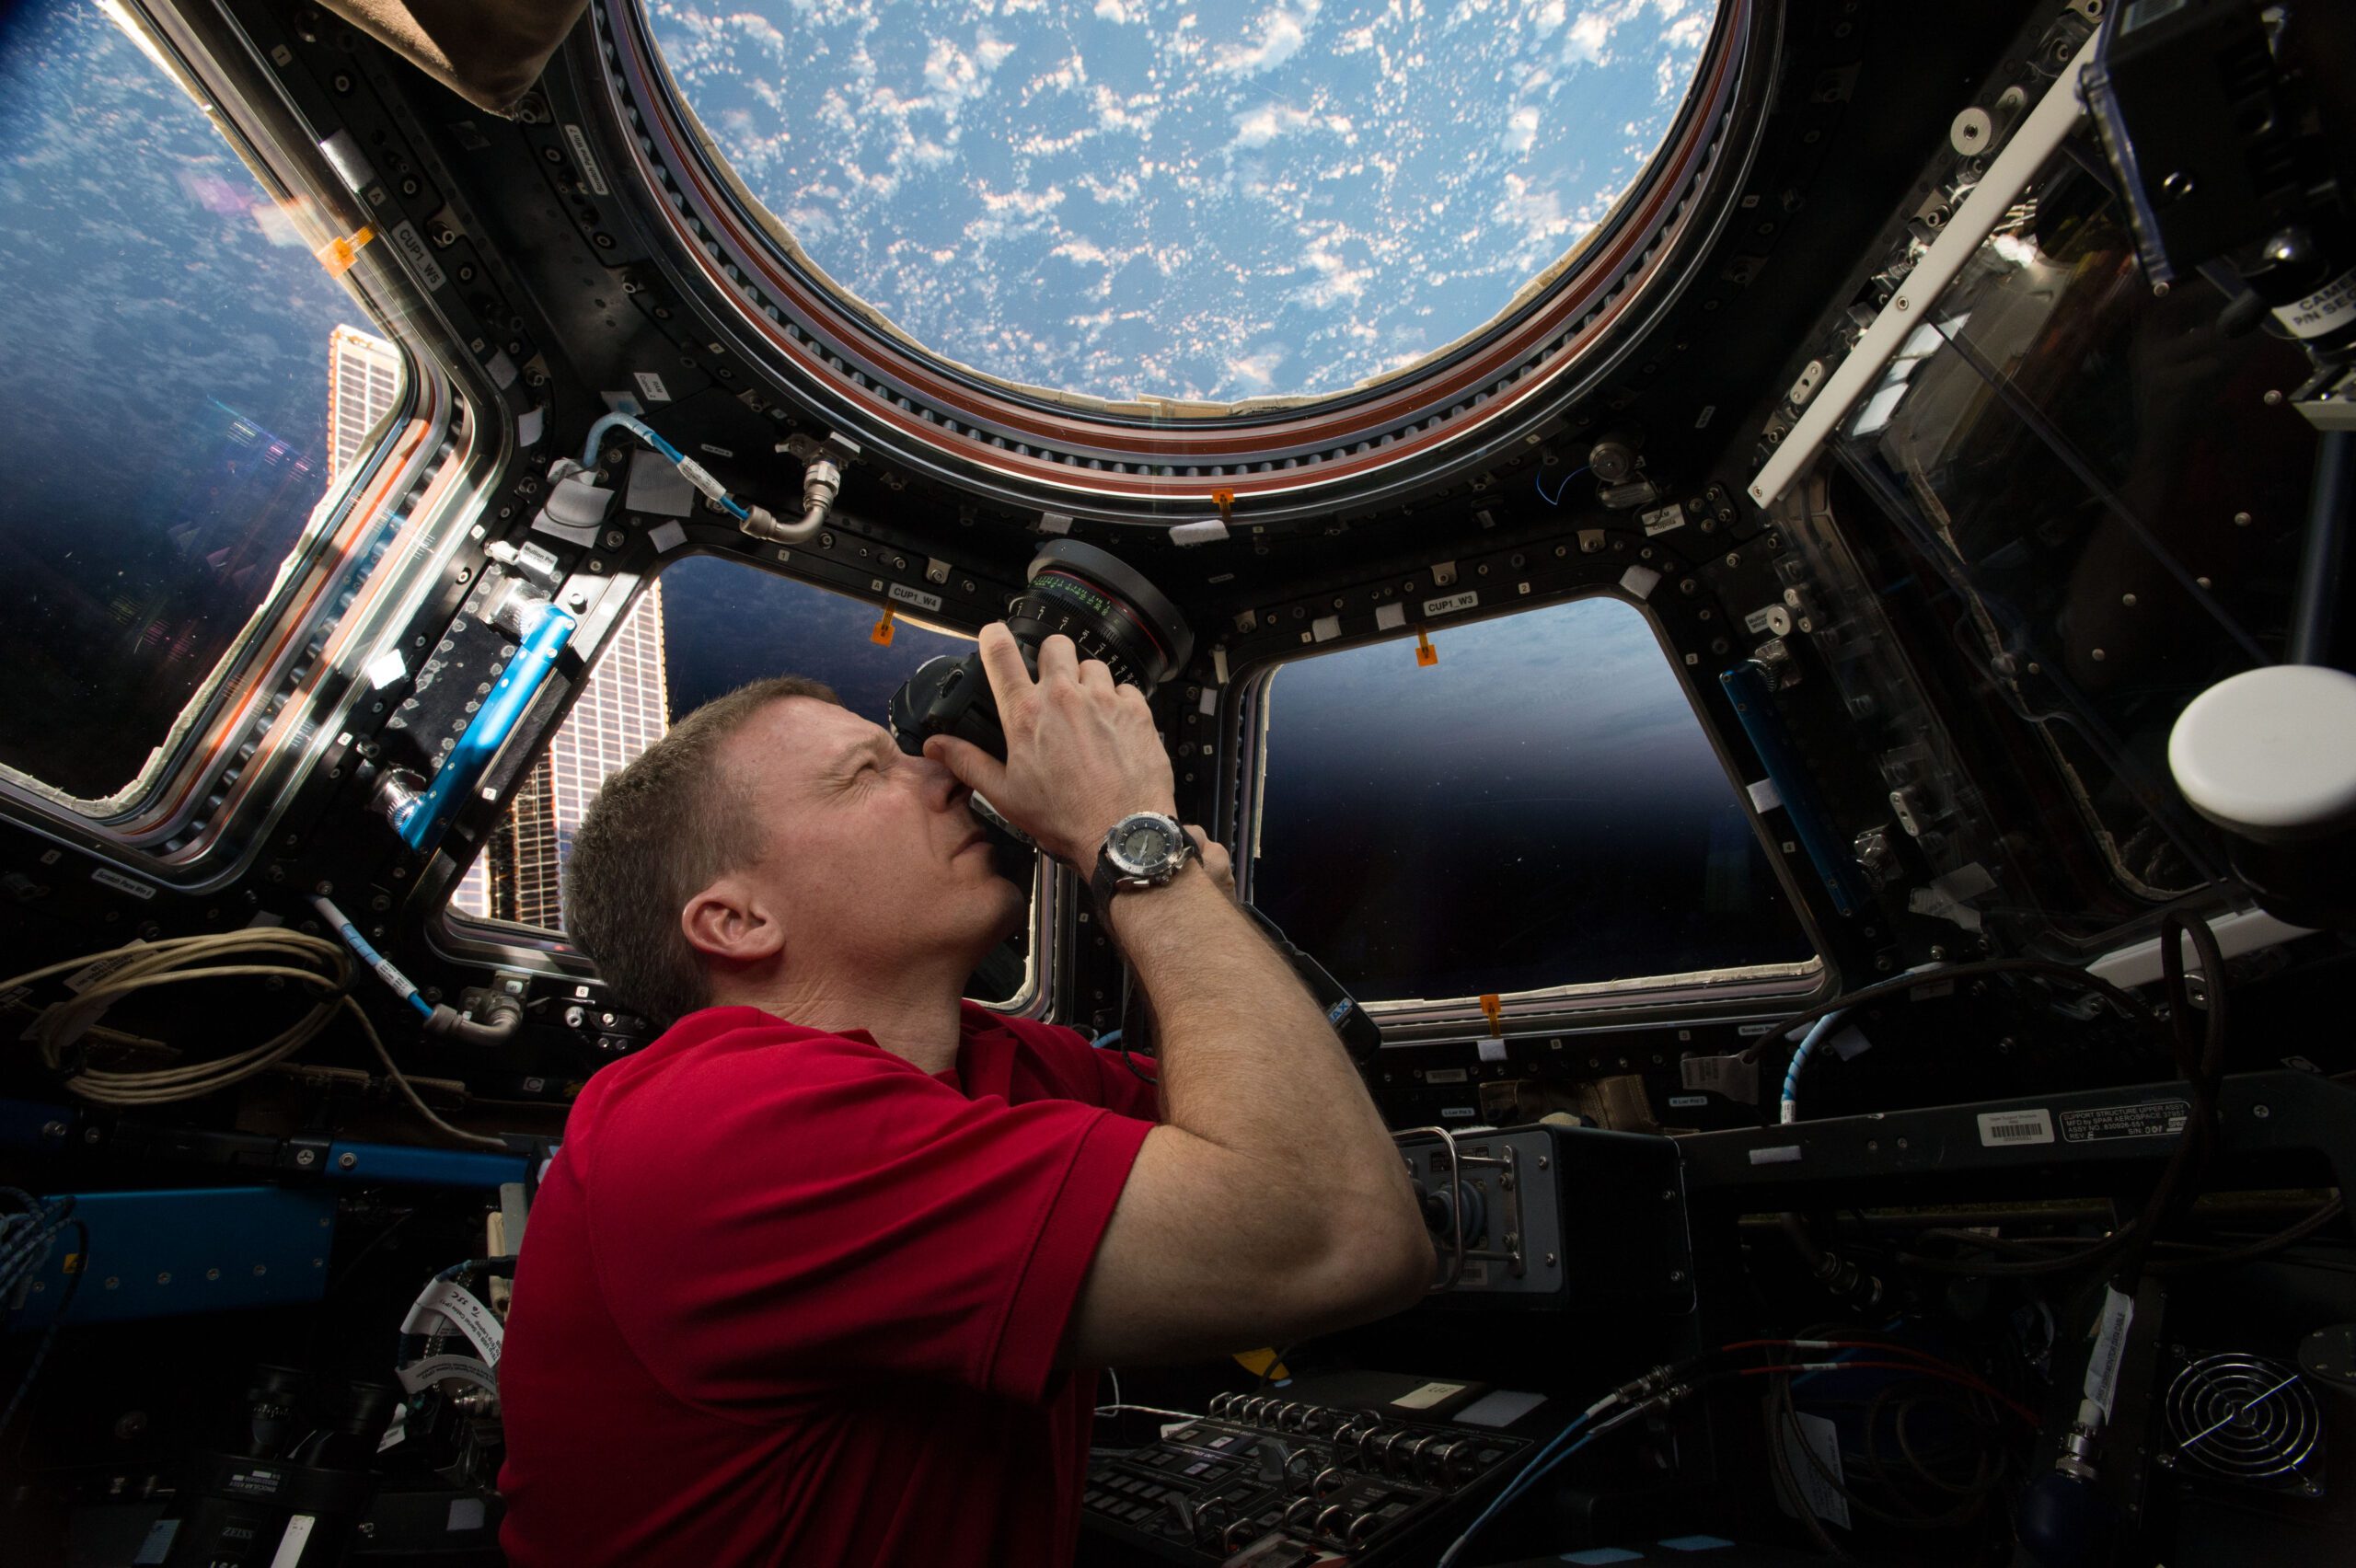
(260, 1269)
(2272, 399)
(1677, 1276)
(52, 1129)
(346, 1161)
(2241, 519)
(2261, 1112)
(164, 1278)
(213, 1274)
(306, 1156)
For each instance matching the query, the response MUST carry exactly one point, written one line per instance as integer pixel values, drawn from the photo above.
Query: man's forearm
(1244, 1050)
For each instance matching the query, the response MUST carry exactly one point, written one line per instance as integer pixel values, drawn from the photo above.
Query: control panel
(1274, 1481)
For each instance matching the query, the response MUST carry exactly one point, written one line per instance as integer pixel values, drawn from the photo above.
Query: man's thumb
(976, 768)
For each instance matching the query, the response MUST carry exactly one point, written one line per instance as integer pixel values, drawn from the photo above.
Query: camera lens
(1107, 608)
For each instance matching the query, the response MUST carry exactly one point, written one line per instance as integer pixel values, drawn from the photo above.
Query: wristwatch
(1144, 849)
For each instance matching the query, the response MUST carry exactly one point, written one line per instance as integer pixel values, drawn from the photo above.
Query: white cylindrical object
(2270, 754)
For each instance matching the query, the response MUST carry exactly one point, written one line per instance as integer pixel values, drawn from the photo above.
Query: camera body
(1107, 607)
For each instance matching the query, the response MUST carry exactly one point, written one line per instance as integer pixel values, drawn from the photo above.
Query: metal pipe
(822, 480)
(2323, 556)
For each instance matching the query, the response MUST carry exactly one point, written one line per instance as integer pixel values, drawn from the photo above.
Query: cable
(26, 1239)
(2126, 1002)
(385, 970)
(1556, 499)
(141, 966)
(695, 472)
(1816, 1034)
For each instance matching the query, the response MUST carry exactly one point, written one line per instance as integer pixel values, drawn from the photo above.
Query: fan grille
(2244, 1417)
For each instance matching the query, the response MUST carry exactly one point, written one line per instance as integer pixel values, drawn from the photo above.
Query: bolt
(1677, 1276)
(2241, 519)
(346, 1161)
(91, 1135)
(2261, 1112)
(2176, 185)
(164, 1278)
(2272, 399)
(260, 1269)
(1550, 1259)
(306, 1156)
(52, 1129)
(213, 1274)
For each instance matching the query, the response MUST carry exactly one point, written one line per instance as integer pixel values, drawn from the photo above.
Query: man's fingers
(1002, 662)
(1096, 674)
(1058, 660)
(973, 768)
(1215, 858)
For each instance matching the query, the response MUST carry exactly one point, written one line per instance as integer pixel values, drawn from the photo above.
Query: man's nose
(938, 787)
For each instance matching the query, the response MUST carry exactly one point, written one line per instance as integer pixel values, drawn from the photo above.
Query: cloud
(1120, 12)
(1282, 32)
(1256, 372)
(1258, 127)
(1521, 130)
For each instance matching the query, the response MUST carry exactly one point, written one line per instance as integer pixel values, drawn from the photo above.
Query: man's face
(870, 855)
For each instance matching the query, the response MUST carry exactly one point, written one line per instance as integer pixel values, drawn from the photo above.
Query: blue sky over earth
(1203, 199)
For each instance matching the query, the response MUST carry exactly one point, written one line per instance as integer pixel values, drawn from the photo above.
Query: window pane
(166, 340)
(706, 627)
(1542, 808)
(1132, 199)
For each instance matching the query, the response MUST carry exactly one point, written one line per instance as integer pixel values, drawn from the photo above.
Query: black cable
(2126, 1002)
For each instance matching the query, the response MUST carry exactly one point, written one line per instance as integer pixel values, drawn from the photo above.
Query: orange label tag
(882, 635)
(1493, 1008)
(1425, 654)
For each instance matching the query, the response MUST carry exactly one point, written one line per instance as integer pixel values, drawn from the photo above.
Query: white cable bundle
(257, 953)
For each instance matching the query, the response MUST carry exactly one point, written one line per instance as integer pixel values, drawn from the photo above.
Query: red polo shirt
(788, 1298)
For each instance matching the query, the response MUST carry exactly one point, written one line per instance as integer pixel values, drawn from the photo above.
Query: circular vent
(2244, 1417)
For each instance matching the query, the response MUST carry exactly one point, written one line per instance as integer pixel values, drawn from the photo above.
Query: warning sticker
(2000, 1127)
(2150, 1119)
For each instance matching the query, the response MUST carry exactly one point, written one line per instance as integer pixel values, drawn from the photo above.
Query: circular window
(1094, 248)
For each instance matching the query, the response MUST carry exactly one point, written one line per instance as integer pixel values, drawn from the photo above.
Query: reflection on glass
(1540, 808)
(166, 340)
(2086, 461)
(1220, 199)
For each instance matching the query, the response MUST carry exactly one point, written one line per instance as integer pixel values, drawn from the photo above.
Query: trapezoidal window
(1539, 808)
(187, 386)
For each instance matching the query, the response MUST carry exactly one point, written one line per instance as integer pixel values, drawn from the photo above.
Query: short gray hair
(660, 832)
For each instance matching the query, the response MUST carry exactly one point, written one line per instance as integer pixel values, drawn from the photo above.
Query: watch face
(1142, 844)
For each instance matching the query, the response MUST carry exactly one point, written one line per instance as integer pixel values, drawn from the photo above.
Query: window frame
(463, 938)
(273, 705)
(1297, 460)
(1743, 990)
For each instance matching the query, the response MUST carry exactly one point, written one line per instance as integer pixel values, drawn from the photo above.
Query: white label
(1464, 600)
(1324, 628)
(667, 538)
(715, 451)
(581, 154)
(90, 974)
(1821, 1490)
(1661, 519)
(1998, 1129)
(122, 883)
(701, 477)
(2326, 310)
(1390, 617)
(1456, 1112)
(291, 1544)
(449, 1300)
(1444, 1075)
(649, 386)
(1754, 1029)
(385, 669)
(1687, 1101)
(2110, 1345)
(425, 1374)
(1640, 581)
(1427, 1396)
(1730, 1076)
(920, 599)
(412, 245)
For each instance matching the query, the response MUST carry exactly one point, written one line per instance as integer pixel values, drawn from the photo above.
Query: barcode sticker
(1999, 1127)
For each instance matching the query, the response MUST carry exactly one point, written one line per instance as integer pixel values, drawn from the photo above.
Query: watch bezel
(1162, 870)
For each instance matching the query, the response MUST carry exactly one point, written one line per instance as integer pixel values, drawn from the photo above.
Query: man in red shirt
(822, 1275)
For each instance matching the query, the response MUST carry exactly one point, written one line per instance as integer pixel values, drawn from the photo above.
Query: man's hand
(1080, 751)
(1216, 860)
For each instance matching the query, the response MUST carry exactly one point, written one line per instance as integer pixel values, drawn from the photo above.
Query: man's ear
(729, 921)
